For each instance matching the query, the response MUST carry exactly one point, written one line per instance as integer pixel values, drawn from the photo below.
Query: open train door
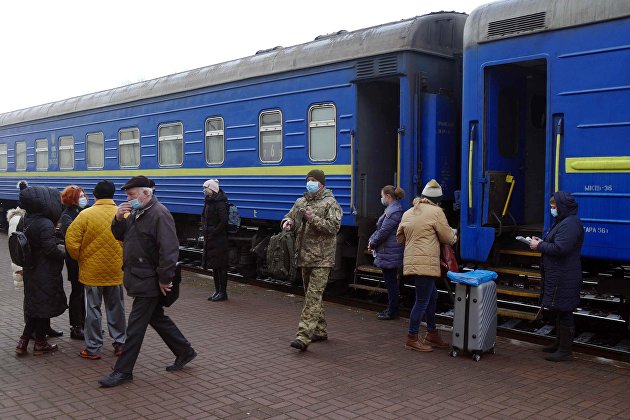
(514, 151)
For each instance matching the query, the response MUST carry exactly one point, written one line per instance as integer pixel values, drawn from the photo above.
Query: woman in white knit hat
(215, 233)
(422, 228)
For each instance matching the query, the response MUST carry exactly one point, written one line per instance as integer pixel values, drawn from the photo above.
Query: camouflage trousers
(312, 320)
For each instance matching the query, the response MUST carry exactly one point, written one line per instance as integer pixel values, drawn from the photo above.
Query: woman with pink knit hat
(214, 219)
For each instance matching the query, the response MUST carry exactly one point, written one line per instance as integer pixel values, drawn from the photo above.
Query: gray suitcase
(475, 319)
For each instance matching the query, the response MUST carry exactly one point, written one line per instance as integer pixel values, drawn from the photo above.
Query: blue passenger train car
(371, 107)
(546, 106)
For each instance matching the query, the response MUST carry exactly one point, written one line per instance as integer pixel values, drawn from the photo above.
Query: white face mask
(554, 212)
(83, 202)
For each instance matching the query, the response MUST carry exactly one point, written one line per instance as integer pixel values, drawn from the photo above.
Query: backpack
(19, 248)
(234, 219)
(281, 258)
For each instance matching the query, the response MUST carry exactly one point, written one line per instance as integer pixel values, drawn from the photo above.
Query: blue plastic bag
(472, 278)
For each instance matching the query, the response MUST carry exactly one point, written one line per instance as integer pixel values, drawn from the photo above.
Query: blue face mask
(312, 186)
(554, 212)
(383, 202)
(135, 204)
(83, 202)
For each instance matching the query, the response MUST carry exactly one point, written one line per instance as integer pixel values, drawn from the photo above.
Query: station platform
(246, 370)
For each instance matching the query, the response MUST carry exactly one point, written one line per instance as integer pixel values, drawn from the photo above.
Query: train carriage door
(514, 144)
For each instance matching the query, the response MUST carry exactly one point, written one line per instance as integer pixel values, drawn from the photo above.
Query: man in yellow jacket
(90, 241)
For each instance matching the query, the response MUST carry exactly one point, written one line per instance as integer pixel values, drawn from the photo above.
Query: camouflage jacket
(316, 239)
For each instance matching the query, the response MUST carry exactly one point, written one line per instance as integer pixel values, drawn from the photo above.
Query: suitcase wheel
(454, 353)
(476, 357)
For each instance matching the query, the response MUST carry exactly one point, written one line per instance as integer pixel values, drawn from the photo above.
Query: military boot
(413, 344)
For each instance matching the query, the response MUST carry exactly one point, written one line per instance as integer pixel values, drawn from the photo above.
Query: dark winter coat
(67, 217)
(44, 296)
(561, 266)
(150, 248)
(214, 218)
(389, 253)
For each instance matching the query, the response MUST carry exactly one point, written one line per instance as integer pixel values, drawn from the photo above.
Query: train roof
(415, 34)
(511, 18)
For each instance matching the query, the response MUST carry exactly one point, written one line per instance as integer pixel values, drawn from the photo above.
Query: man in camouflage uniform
(316, 217)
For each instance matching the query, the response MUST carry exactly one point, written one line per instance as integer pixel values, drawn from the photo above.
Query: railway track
(512, 323)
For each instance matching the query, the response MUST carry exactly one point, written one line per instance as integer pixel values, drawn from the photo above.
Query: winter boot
(433, 339)
(413, 344)
(553, 347)
(216, 287)
(222, 295)
(565, 341)
(22, 345)
(42, 347)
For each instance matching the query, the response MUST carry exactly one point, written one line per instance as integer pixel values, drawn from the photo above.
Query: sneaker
(118, 348)
(87, 355)
(386, 316)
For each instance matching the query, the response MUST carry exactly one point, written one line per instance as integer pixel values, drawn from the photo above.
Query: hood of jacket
(219, 196)
(15, 212)
(566, 204)
(45, 201)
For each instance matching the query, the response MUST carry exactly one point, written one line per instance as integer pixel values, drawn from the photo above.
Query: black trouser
(37, 326)
(147, 311)
(76, 303)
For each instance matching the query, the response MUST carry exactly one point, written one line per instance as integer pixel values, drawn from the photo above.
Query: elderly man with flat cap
(150, 253)
(315, 218)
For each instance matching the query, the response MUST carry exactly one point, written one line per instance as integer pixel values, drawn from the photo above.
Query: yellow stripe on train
(597, 164)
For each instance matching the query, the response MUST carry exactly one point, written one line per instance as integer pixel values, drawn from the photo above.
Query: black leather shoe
(316, 337)
(211, 298)
(76, 333)
(297, 344)
(181, 361)
(221, 296)
(53, 333)
(115, 378)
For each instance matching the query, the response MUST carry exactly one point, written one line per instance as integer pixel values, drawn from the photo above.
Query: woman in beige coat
(422, 228)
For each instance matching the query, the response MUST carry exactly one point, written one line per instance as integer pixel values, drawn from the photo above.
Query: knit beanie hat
(104, 189)
(318, 174)
(212, 185)
(432, 191)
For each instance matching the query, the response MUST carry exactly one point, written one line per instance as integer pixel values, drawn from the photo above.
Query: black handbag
(170, 297)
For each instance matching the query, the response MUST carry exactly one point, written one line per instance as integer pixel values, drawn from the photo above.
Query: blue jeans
(390, 275)
(426, 300)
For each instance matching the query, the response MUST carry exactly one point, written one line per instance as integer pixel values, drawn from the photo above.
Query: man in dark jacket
(561, 271)
(150, 253)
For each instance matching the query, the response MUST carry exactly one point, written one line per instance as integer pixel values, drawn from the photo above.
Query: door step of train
(519, 252)
(512, 313)
(517, 291)
(517, 271)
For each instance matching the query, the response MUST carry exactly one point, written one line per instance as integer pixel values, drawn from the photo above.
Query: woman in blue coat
(561, 271)
(388, 252)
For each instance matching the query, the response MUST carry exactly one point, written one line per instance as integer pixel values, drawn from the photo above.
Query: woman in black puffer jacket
(561, 271)
(44, 297)
(215, 224)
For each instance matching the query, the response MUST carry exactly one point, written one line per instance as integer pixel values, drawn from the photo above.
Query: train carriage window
(215, 141)
(171, 144)
(20, 156)
(129, 148)
(66, 152)
(322, 132)
(41, 155)
(95, 150)
(4, 161)
(270, 142)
